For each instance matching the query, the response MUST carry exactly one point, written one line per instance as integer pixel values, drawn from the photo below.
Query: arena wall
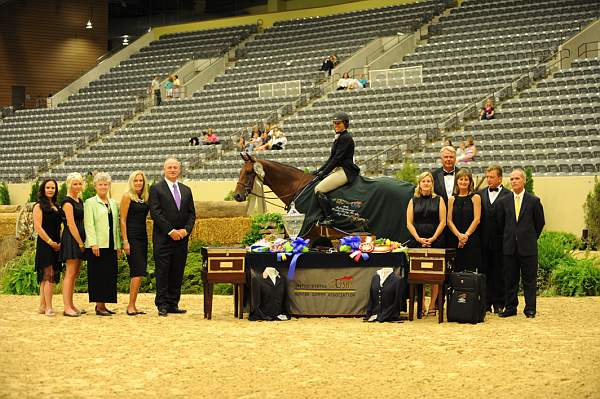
(44, 45)
(269, 18)
(562, 197)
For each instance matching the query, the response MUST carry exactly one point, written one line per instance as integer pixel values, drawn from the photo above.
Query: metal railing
(584, 49)
(523, 81)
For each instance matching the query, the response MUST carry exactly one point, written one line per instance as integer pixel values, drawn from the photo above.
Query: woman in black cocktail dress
(134, 211)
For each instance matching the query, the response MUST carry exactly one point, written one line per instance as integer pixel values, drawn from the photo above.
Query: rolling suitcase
(466, 297)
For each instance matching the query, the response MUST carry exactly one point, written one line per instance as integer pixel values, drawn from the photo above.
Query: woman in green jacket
(103, 245)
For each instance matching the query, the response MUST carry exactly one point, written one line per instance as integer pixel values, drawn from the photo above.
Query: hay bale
(8, 223)
(9, 208)
(219, 209)
(225, 231)
(9, 248)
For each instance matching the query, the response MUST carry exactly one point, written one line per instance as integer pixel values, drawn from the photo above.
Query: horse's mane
(282, 165)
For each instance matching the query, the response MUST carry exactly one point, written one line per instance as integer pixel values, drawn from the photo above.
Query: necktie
(494, 189)
(177, 195)
(448, 173)
(517, 206)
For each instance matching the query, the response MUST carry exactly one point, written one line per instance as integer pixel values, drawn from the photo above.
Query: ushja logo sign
(344, 282)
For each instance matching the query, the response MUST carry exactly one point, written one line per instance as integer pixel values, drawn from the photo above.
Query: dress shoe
(177, 310)
(530, 315)
(110, 311)
(71, 314)
(102, 313)
(488, 309)
(498, 309)
(163, 312)
(508, 313)
(132, 313)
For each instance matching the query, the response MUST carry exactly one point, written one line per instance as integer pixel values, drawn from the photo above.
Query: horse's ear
(244, 156)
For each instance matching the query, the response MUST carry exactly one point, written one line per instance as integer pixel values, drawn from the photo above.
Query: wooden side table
(224, 265)
(428, 266)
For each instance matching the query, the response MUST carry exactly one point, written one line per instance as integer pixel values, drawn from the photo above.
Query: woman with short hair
(47, 217)
(134, 211)
(103, 244)
(72, 243)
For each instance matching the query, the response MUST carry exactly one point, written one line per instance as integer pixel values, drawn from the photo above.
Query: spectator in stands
(279, 140)
(212, 137)
(344, 82)
(72, 241)
(334, 59)
(327, 65)
(47, 217)
(487, 112)
(242, 146)
(460, 152)
(134, 211)
(176, 87)
(363, 81)
(469, 151)
(194, 141)
(205, 138)
(169, 88)
(103, 243)
(448, 142)
(155, 88)
(256, 140)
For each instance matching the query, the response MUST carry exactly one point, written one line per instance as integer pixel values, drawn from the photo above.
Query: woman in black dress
(463, 220)
(103, 244)
(47, 218)
(425, 221)
(134, 211)
(72, 242)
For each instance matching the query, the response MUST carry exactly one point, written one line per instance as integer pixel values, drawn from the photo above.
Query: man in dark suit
(443, 185)
(340, 168)
(521, 220)
(491, 240)
(173, 212)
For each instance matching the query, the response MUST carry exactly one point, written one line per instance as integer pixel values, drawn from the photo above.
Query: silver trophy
(292, 221)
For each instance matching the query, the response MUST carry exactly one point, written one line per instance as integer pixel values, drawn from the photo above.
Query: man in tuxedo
(443, 185)
(173, 212)
(521, 220)
(491, 240)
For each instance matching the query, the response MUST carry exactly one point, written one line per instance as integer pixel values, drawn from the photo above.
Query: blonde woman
(425, 221)
(134, 211)
(463, 221)
(103, 244)
(72, 241)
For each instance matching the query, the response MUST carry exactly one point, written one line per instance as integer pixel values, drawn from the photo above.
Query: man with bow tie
(443, 184)
(521, 220)
(491, 240)
(173, 212)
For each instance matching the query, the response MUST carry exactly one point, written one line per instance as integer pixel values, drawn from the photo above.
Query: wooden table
(224, 265)
(428, 266)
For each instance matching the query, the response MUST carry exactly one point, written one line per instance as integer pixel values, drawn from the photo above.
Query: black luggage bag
(466, 297)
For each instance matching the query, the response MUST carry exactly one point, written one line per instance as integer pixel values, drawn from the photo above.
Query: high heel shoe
(110, 311)
(76, 314)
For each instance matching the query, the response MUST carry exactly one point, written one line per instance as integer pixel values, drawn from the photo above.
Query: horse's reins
(249, 192)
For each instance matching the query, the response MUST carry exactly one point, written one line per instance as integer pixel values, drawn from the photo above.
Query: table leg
(209, 296)
(420, 295)
(411, 301)
(241, 301)
(235, 300)
(441, 296)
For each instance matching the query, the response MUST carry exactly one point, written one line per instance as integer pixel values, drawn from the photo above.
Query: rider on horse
(339, 168)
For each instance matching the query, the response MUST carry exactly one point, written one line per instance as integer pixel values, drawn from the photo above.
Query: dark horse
(378, 205)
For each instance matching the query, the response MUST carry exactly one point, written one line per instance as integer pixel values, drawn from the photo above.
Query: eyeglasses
(337, 122)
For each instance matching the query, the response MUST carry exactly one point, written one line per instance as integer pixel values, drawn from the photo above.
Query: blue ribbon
(352, 241)
(298, 247)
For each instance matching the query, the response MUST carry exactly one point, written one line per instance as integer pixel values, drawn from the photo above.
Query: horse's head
(247, 175)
